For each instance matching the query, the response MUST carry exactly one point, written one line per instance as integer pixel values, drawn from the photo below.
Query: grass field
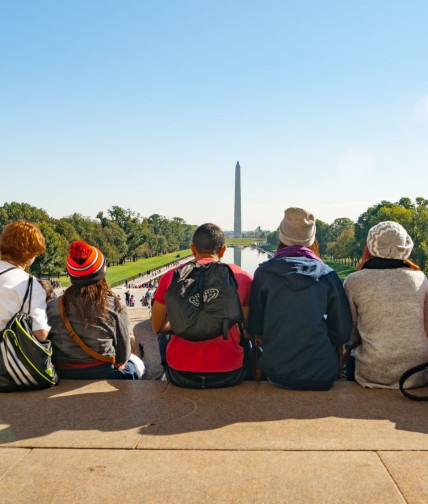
(240, 242)
(121, 272)
(343, 270)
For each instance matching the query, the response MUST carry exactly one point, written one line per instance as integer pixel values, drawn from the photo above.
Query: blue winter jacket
(299, 307)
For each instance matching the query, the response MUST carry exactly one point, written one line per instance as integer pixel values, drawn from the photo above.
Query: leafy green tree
(83, 226)
(52, 261)
(65, 229)
(412, 216)
(11, 212)
(345, 244)
(367, 220)
(273, 238)
(116, 236)
(406, 203)
(322, 236)
(336, 228)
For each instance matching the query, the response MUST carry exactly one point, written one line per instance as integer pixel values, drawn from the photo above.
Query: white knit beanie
(389, 240)
(297, 227)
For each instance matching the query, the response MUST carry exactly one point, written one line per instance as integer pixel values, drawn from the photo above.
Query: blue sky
(149, 104)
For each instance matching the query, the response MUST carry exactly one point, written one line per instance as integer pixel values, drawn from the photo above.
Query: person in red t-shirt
(211, 363)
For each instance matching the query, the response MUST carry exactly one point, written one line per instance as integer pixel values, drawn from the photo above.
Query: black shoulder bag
(25, 362)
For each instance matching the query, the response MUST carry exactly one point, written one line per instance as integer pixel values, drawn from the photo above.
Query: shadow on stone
(347, 417)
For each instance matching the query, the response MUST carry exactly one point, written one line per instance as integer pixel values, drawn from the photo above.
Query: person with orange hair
(388, 296)
(20, 243)
(90, 328)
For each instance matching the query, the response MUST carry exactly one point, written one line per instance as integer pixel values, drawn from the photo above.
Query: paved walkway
(150, 442)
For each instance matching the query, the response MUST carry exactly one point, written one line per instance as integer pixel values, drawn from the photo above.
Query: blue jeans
(101, 372)
(197, 380)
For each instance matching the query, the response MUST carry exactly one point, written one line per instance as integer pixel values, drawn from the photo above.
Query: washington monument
(237, 227)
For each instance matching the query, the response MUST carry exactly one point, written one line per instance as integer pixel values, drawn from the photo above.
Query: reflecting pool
(248, 258)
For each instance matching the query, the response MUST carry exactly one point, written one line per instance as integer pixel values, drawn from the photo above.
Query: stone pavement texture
(150, 442)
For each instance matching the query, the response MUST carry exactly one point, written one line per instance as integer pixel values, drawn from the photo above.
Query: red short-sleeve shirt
(212, 356)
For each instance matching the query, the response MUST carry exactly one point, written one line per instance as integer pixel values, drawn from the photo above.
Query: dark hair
(50, 293)
(208, 239)
(89, 302)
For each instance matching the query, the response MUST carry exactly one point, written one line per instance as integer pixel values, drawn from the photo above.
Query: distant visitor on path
(299, 310)
(20, 243)
(388, 296)
(91, 311)
(216, 358)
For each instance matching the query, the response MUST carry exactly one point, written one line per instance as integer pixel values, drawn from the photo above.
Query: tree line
(121, 234)
(126, 235)
(345, 239)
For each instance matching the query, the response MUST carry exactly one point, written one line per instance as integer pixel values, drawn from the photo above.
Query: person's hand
(117, 365)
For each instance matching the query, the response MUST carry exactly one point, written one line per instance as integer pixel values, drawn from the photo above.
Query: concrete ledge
(195, 477)
(251, 443)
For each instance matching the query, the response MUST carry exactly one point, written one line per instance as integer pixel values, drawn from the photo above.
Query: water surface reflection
(247, 258)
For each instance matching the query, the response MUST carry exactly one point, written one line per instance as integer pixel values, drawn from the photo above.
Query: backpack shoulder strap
(29, 292)
(8, 269)
(241, 323)
(182, 272)
(76, 338)
(29, 289)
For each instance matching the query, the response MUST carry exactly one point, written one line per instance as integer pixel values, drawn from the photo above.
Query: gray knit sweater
(390, 313)
(108, 337)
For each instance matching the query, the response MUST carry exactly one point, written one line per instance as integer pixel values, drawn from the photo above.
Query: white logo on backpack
(209, 295)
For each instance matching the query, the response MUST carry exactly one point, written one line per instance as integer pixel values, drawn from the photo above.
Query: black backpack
(202, 301)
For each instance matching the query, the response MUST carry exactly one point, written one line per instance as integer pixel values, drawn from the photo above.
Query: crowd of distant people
(294, 319)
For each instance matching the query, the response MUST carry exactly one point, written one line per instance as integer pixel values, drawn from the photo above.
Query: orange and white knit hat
(85, 264)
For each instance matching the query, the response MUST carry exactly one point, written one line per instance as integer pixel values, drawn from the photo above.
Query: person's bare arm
(160, 321)
(41, 334)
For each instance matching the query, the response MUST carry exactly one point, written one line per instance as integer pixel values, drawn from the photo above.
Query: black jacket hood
(298, 273)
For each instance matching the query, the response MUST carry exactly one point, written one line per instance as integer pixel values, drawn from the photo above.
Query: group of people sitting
(88, 308)
(297, 314)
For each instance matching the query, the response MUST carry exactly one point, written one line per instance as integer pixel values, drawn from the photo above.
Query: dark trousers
(204, 380)
(101, 372)
(197, 380)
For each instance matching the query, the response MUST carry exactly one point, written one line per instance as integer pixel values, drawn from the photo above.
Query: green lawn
(241, 242)
(120, 273)
(343, 270)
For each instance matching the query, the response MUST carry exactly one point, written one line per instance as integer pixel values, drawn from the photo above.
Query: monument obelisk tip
(237, 230)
